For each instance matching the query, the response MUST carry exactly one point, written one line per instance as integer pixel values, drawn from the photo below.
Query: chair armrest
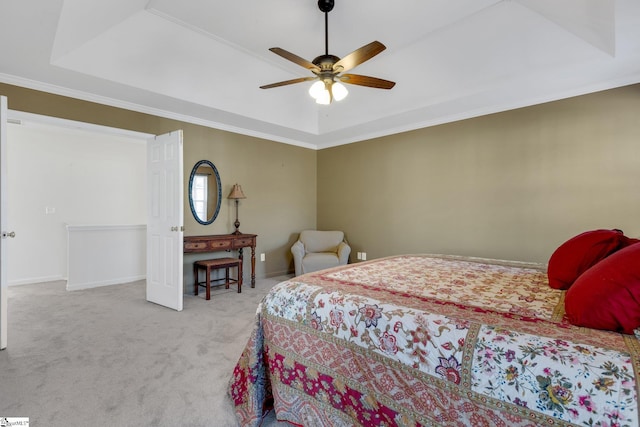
(297, 250)
(343, 253)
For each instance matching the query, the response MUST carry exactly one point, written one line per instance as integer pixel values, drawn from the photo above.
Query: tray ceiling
(203, 61)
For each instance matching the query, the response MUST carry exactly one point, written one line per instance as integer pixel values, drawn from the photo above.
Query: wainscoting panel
(101, 255)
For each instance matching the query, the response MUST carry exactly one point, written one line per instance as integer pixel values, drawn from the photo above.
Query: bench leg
(226, 277)
(195, 278)
(208, 283)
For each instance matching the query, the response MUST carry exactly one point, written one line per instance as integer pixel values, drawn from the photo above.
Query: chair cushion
(319, 261)
(321, 241)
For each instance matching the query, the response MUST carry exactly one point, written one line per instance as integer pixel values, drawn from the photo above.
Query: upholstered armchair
(316, 250)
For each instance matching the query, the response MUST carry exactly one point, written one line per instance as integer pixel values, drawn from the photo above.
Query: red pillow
(607, 296)
(577, 254)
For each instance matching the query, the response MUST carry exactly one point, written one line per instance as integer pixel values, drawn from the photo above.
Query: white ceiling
(203, 61)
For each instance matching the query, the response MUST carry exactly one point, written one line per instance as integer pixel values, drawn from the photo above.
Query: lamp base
(237, 223)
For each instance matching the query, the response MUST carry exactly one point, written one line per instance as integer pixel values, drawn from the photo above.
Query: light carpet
(106, 356)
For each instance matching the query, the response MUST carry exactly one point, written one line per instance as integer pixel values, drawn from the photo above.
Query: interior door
(165, 220)
(3, 223)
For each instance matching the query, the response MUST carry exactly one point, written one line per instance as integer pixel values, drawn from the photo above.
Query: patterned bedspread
(431, 341)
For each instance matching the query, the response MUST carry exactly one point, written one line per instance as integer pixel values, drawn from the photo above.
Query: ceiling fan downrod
(326, 6)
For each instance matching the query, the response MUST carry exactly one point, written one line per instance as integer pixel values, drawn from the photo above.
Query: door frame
(20, 116)
(4, 286)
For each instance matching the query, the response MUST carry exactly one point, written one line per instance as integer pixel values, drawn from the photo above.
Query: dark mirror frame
(193, 174)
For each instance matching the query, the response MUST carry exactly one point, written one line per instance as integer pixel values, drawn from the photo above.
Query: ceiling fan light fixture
(325, 92)
(339, 91)
(321, 92)
(316, 89)
(324, 98)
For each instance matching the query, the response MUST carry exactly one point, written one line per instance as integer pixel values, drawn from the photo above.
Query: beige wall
(512, 185)
(279, 180)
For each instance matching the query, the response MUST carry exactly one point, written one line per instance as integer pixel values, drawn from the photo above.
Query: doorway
(63, 173)
(82, 174)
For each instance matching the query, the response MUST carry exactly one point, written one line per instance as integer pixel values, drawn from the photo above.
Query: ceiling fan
(329, 69)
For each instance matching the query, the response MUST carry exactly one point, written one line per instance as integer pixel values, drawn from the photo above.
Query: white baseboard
(279, 273)
(31, 280)
(89, 285)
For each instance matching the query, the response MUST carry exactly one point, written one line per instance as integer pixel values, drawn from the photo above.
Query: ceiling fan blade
(356, 79)
(288, 82)
(358, 56)
(295, 59)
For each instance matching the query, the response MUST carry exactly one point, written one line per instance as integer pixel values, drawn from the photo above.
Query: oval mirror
(205, 192)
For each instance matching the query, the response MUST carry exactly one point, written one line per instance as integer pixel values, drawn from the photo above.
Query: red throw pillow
(607, 296)
(577, 254)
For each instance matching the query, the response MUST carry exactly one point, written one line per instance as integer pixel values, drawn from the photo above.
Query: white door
(3, 223)
(164, 220)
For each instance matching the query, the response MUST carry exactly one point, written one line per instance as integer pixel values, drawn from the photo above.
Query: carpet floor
(106, 356)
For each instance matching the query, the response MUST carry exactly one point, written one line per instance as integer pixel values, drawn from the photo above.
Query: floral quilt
(420, 340)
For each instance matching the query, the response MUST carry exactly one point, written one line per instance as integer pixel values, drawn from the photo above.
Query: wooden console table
(224, 242)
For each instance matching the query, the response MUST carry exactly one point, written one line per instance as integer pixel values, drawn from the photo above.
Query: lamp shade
(324, 98)
(339, 91)
(236, 193)
(316, 89)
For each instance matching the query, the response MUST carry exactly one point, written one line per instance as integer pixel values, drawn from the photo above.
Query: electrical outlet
(359, 255)
(262, 257)
(364, 256)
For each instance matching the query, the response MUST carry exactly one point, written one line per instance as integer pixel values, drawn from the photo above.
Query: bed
(431, 340)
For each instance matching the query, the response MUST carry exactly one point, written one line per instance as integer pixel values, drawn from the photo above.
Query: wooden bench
(215, 264)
